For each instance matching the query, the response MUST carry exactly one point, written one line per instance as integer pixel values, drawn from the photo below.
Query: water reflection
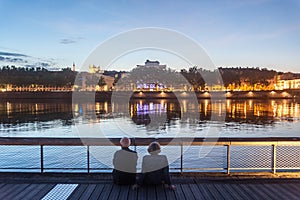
(27, 112)
(152, 114)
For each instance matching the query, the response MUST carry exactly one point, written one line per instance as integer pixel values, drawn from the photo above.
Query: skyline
(249, 33)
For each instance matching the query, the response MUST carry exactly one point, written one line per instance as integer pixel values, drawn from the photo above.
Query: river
(158, 118)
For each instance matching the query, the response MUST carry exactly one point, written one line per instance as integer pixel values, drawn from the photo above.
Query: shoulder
(117, 152)
(146, 157)
(131, 151)
(162, 156)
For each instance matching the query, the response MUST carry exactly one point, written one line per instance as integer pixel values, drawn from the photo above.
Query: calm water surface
(159, 118)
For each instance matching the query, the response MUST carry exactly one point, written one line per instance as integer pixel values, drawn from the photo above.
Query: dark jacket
(124, 172)
(155, 170)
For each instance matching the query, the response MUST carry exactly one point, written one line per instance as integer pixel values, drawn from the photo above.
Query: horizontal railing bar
(203, 168)
(18, 168)
(251, 168)
(145, 141)
(287, 168)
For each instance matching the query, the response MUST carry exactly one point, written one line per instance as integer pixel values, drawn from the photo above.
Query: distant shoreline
(106, 95)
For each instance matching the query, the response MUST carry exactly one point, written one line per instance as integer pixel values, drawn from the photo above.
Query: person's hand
(171, 187)
(135, 186)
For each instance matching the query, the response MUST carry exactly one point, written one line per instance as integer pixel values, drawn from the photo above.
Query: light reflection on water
(141, 118)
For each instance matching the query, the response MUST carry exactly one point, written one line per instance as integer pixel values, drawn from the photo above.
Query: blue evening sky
(249, 33)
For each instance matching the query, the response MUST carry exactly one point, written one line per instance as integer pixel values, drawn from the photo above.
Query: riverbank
(106, 95)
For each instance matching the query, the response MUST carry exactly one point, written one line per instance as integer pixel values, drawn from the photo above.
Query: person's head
(125, 142)
(154, 148)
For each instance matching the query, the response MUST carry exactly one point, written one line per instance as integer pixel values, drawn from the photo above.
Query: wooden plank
(261, 189)
(5, 188)
(196, 192)
(160, 192)
(124, 190)
(272, 192)
(12, 190)
(132, 194)
(115, 191)
(27, 191)
(40, 194)
(97, 192)
(268, 192)
(252, 193)
(78, 191)
(106, 191)
(277, 191)
(213, 191)
(2, 185)
(142, 192)
(226, 193)
(170, 194)
(179, 192)
(187, 192)
(88, 192)
(151, 193)
(287, 187)
(238, 191)
(206, 194)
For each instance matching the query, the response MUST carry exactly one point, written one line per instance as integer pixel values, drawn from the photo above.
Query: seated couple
(155, 167)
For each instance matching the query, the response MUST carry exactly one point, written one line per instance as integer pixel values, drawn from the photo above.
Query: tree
(101, 82)
(194, 77)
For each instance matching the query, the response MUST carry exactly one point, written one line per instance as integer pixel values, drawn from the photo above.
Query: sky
(246, 33)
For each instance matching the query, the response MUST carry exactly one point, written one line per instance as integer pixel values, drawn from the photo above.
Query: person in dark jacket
(124, 161)
(155, 168)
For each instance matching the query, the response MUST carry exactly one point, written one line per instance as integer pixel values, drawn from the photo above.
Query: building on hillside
(90, 82)
(93, 69)
(287, 81)
(155, 64)
(151, 86)
(73, 67)
(287, 84)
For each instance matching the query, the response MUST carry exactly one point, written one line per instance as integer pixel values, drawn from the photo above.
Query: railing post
(42, 158)
(133, 140)
(228, 159)
(181, 158)
(274, 159)
(88, 158)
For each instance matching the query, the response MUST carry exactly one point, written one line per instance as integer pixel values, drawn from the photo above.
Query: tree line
(197, 78)
(23, 77)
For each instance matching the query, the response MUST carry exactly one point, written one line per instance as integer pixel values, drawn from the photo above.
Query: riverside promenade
(107, 95)
(188, 186)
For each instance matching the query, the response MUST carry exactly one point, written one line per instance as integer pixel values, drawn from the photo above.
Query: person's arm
(166, 175)
(114, 160)
(142, 175)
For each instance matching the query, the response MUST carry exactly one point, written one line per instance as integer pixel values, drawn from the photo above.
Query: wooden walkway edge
(187, 187)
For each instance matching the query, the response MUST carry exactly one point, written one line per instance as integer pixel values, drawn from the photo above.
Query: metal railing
(240, 154)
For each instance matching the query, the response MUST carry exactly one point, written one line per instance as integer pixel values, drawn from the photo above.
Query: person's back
(124, 162)
(155, 168)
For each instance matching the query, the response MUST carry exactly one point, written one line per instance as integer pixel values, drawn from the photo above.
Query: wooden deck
(187, 187)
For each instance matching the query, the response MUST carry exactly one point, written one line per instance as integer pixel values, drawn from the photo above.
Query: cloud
(70, 40)
(67, 41)
(3, 53)
(22, 60)
(13, 60)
